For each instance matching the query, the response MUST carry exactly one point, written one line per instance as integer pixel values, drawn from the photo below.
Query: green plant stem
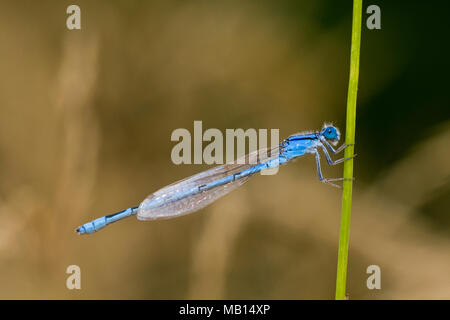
(341, 277)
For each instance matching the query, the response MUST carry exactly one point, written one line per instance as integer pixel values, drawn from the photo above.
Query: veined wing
(186, 196)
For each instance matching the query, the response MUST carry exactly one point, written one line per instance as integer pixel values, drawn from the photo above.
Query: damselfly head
(331, 133)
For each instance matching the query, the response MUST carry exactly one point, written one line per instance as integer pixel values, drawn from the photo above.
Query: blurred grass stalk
(341, 276)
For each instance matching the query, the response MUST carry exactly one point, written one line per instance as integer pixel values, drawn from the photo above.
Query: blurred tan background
(85, 124)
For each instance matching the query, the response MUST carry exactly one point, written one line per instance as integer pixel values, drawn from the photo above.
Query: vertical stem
(341, 277)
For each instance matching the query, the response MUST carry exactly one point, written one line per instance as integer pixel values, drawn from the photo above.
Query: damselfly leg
(336, 151)
(319, 169)
(332, 162)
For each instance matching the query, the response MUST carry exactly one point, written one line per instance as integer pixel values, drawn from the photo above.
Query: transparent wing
(181, 197)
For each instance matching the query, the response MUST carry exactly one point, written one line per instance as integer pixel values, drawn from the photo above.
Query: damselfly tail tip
(80, 230)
